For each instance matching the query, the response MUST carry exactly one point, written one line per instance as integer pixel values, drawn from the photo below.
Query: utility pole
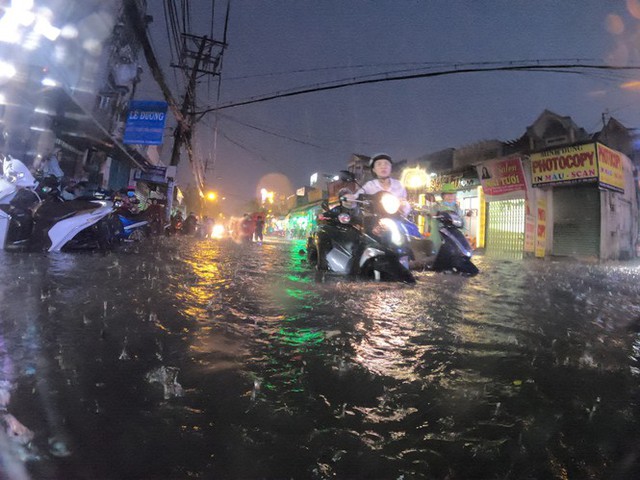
(205, 62)
(183, 129)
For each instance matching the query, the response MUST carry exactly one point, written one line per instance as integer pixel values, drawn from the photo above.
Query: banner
(579, 163)
(459, 182)
(503, 179)
(529, 229)
(541, 230)
(574, 164)
(155, 174)
(145, 123)
(610, 168)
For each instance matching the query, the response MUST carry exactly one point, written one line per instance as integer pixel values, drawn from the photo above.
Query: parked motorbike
(34, 217)
(454, 254)
(17, 197)
(135, 224)
(367, 241)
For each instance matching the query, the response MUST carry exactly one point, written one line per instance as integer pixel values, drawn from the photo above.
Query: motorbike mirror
(347, 176)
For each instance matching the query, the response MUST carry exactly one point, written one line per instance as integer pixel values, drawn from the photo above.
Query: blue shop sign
(145, 122)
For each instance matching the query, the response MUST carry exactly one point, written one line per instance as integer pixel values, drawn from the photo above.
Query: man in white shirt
(382, 165)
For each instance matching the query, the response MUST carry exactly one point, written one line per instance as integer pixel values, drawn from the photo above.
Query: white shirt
(395, 187)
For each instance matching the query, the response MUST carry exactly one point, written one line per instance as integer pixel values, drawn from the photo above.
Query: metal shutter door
(576, 221)
(505, 229)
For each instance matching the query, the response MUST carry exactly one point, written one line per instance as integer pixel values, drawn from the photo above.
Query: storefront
(589, 202)
(301, 221)
(158, 182)
(468, 197)
(505, 190)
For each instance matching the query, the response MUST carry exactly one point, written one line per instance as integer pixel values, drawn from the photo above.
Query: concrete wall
(619, 219)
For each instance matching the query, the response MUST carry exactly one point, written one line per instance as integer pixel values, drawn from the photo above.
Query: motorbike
(135, 224)
(366, 241)
(401, 237)
(454, 254)
(34, 217)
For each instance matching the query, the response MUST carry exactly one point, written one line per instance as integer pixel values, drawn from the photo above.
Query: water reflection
(214, 360)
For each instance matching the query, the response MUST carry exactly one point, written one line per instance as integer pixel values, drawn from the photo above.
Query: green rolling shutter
(576, 221)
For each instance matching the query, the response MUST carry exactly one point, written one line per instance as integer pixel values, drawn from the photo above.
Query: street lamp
(414, 178)
(211, 196)
(267, 196)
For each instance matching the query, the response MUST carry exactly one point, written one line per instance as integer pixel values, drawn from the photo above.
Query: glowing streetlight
(211, 196)
(267, 196)
(414, 178)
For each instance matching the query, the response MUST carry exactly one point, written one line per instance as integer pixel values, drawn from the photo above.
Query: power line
(245, 148)
(286, 137)
(293, 139)
(552, 68)
(421, 64)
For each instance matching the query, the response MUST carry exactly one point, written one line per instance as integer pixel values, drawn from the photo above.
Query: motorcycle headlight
(392, 227)
(390, 203)
(217, 231)
(344, 218)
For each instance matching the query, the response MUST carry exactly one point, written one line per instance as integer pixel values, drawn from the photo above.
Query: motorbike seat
(56, 211)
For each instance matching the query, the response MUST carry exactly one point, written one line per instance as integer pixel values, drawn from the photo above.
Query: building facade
(70, 87)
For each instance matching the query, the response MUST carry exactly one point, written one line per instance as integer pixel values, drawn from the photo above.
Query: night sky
(276, 46)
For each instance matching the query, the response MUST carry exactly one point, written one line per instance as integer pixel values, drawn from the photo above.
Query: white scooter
(30, 220)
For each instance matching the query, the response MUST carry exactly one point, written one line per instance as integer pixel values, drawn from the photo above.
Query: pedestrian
(51, 164)
(176, 223)
(190, 224)
(155, 215)
(246, 229)
(258, 232)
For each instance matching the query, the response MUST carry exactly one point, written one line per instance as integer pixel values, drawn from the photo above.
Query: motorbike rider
(190, 224)
(449, 204)
(381, 165)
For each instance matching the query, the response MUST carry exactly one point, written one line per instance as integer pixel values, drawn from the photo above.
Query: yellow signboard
(610, 168)
(572, 164)
(590, 162)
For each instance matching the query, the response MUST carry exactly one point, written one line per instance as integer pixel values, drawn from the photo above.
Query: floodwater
(185, 358)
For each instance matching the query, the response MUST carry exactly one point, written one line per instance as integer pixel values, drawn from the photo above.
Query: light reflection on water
(528, 370)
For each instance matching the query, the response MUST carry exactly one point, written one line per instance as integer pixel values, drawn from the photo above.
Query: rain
(208, 359)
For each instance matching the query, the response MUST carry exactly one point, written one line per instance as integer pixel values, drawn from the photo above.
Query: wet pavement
(186, 358)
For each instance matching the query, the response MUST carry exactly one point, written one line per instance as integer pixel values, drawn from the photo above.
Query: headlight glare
(390, 203)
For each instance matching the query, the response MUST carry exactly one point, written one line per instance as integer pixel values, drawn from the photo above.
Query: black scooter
(365, 241)
(454, 254)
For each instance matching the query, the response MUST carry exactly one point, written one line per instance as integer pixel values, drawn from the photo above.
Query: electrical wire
(552, 68)
(422, 66)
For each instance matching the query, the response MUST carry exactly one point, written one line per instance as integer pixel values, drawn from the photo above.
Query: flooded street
(184, 358)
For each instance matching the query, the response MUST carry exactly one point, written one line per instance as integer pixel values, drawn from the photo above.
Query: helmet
(448, 188)
(379, 156)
